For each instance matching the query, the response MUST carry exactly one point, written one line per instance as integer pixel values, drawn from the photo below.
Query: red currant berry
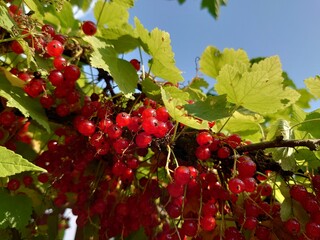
(298, 192)
(47, 101)
(71, 73)
(59, 63)
(55, 48)
(43, 177)
(135, 63)
(223, 152)
(143, 140)
(312, 230)
(162, 114)
(208, 223)
(13, 184)
(246, 168)
(27, 180)
(16, 47)
(190, 227)
(123, 119)
(236, 185)
(182, 175)
(89, 28)
(203, 153)
(292, 226)
(204, 138)
(86, 127)
(49, 30)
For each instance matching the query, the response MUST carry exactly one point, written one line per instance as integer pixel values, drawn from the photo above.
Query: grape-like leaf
(213, 6)
(35, 6)
(212, 60)
(212, 108)
(173, 103)
(259, 90)
(15, 210)
(246, 125)
(5, 21)
(123, 38)
(111, 14)
(13, 79)
(12, 163)
(308, 125)
(104, 56)
(29, 107)
(283, 155)
(157, 44)
(313, 84)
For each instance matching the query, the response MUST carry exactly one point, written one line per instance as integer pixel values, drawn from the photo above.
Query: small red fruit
(135, 63)
(89, 28)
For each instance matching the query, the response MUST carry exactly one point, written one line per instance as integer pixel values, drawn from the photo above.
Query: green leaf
(112, 13)
(82, 4)
(29, 107)
(123, 74)
(122, 38)
(63, 20)
(260, 90)
(247, 125)
(5, 21)
(173, 102)
(15, 210)
(286, 209)
(285, 156)
(307, 159)
(212, 108)
(213, 6)
(12, 163)
(157, 44)
(305, 98)
(151, 89)
(291, 208)
(313, 84)
(212, 60)
(104, 56)
(37, 7)
(198, 83)
(308, 125)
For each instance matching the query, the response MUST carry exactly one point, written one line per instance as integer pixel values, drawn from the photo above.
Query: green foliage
(173, 100)
(212, 108)
(12, 163)
(15, 211)
(157, 45)
(260, 89)
(28, 107)
(212, 6)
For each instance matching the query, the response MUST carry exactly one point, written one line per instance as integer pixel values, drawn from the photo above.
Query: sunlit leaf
(259, 90)
(313, 84)
(5, 21)
(173, 104)
(12, 163)
(111, 14)
(212, 60)
(212, 108)
(157, 44)
(29, 107)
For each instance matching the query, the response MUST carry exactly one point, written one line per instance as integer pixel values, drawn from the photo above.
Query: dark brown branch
(312, 144)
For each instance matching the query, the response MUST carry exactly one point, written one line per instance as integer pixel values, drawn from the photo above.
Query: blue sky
(287, 28)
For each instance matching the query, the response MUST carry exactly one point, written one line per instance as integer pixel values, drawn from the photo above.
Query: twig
(312, 144)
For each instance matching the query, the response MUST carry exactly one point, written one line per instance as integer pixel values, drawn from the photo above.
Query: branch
(312, 144)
